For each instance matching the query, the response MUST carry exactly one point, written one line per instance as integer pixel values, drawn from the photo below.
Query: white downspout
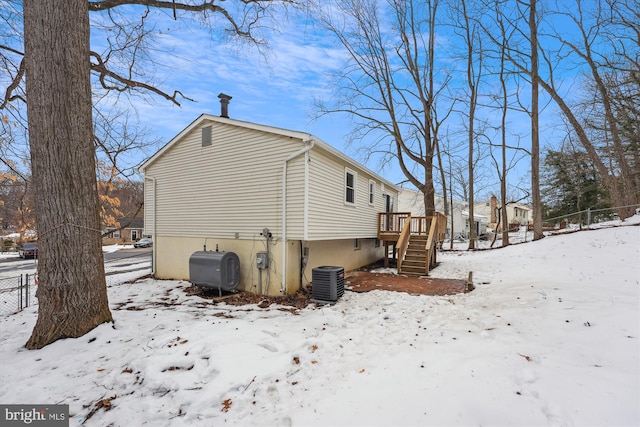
(153, 230)
(154, 252)
(306, 149)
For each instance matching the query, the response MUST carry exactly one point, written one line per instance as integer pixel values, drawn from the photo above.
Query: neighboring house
(517, 213)
(132, 229)
(248, 188)
(413, 201)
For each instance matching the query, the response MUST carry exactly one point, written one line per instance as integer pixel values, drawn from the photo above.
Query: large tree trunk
(428, 189)
(72, 292)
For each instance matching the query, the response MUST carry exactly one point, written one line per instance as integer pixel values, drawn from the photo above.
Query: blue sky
(277, 87)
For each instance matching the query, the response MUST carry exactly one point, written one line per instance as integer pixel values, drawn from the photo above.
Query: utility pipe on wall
(304, 150)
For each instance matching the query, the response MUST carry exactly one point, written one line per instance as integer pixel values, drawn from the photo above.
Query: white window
(134, 234)
(116, 233)
(350, 178)
(372, 186)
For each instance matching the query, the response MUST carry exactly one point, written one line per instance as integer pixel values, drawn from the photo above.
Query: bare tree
(72, 291)
(608, 32)
(390, 85)
(532, 22)
(466, 27)
(595, 21)
(504, 104)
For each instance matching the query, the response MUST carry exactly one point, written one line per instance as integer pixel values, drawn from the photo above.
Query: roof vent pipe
(224, 104)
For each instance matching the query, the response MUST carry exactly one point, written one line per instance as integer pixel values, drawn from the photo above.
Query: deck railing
(392, 222)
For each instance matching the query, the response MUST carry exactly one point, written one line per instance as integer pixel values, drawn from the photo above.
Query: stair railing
(430, 250)
(403, 241)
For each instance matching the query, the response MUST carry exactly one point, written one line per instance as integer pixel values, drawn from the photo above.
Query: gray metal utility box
(327, 283)
(213, 269)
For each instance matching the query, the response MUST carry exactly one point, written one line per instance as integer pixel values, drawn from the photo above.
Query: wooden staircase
(416, 239)
(415, 259)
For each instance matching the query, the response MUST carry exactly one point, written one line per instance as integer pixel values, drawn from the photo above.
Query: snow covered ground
(550, 336)
(12, 297)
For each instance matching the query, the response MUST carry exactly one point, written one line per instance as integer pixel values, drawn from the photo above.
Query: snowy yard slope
(549, 337)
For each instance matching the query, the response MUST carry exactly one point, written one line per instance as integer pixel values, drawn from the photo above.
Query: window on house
(206, 136)
(134, 234)
(350, 187)
(372, 186)
(116, 233)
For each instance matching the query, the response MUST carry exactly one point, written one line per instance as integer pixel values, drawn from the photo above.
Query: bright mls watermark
(34, 415)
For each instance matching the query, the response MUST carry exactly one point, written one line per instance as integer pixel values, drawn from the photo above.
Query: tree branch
(104, 73)
(8, 95)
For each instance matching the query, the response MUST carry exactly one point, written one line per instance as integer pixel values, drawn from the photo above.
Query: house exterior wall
(173, 253)
(232, 186)
(517, 213)
(227, 192)
(330, 216)
(126, 236)
(342, 253)
(189, 181)
(483, 208)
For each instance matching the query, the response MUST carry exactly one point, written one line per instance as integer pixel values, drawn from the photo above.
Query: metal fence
(18, 292)
(587, 217)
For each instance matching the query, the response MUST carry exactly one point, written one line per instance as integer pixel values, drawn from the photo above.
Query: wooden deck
(416, 239)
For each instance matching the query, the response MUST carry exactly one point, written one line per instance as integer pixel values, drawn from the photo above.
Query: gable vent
(206, 136)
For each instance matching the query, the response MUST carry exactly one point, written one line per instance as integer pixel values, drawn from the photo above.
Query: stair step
(412, 264)
(412, 274)
(413, 271)
(415, 263)
(415, 254)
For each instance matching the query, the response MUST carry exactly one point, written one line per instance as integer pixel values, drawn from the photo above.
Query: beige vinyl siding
(233, 186)
(295, 198)
(149, 206)
(329, 216)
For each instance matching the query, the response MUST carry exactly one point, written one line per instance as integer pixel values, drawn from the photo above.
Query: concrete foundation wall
(172, 259)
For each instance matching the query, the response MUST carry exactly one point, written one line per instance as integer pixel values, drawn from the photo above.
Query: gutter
(292, 156)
